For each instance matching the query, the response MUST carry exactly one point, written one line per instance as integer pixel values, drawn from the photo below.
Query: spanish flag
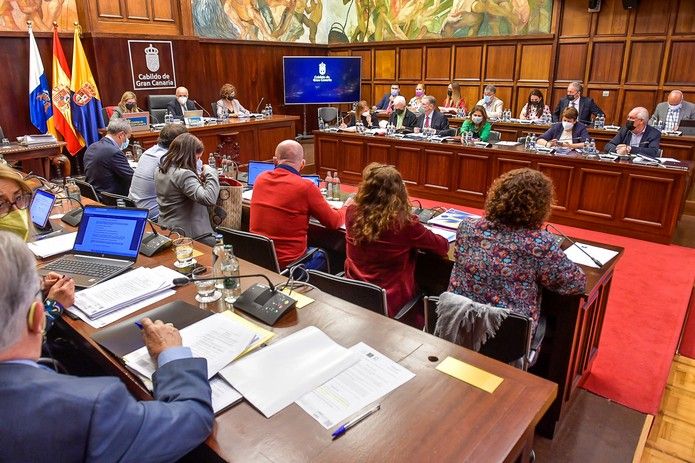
(62, 115)
(85, 102)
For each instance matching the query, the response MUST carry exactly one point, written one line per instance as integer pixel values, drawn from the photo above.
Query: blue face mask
(394, 92)
(199, 165)
(487, 99)
(125, 144)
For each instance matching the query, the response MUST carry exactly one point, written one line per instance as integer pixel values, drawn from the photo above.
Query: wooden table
(35, 158)
(627, 199)
(432, 417)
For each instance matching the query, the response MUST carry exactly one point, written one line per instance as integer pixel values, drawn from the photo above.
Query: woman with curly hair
(504, 259)
(382, 236)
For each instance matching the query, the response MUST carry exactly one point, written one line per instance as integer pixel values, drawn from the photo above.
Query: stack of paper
(579, 254)
(451, 218)
(52, 246)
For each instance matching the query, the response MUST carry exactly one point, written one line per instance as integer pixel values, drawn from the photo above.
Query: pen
(138, 324)
(343, 429)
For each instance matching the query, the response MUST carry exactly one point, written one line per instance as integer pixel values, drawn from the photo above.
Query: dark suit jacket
(52, 417)
(587, 107)
(174, 108)
(106, 168)
(579, 132)
(384, 103)
(649, 144)
(409, 120)
(438, 122)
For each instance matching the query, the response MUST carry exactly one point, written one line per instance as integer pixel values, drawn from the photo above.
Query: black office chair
(360, 293)
(114, 200)
(494, 137)
(157, 105)
(328, 114)
(87, 190)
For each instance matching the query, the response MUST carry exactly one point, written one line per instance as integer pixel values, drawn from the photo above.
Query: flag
(85, 102)
(40, 109)
(62, 116)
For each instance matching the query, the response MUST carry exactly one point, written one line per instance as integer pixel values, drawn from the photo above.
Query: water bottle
(532, 142)
(72, 190)
(322, 125)
(329, 185)
(586, 146)
(137, 151)
(592, 146)
(211, 161)
(229, 269)
(527, 142)
(217, 251)
(270, 109)
(602, 119)
(469, 137)
(168, 118)
(336, 186)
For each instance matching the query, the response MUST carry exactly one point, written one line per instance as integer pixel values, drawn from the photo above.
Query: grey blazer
(687, 111)
(184, 199)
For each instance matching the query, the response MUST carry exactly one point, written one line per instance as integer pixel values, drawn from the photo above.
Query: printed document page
(576, 255)
(52, 246)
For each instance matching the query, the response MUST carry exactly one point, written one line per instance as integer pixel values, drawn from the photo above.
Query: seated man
(181, 104)
(401, 117)
(431, 117)
(282, 203)
(94, 418)
(637, 136)
(585, 106)
(105, 166)
(142, 189)
(493, 105)
(386, 102)
(673, 111)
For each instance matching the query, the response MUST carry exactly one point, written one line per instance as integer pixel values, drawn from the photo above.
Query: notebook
(107, 244)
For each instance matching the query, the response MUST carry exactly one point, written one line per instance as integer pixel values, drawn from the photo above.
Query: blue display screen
(111, 231)
(321, 79)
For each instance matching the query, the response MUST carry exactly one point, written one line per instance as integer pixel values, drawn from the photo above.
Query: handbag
(227, 211)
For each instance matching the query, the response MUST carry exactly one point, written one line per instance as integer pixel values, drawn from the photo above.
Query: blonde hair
(128, 96)
(8, 173)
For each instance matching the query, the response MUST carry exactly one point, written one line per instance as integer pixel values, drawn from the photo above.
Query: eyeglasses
(20, 202)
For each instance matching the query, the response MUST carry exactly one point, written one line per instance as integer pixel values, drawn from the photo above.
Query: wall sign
(152, 64)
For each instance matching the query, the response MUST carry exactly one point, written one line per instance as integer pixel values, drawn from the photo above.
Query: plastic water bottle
(336, 186)
(137, 151)
(211, 161)
(229, 268)
(592, 146)
(586, 146)
(532, 142)
(217, 251)
(72, 190)
(527, 142)
(322, 125)
(329, 185)
(168, 117)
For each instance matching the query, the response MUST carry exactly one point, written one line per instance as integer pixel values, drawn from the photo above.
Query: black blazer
(587, 107)
(409, 120)
(648, 145)
(174, 108)
(106, 168)
(353, 121)
(438, 122)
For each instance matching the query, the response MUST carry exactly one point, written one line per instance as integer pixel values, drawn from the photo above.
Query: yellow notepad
(302, 300)
(470, 374)
(263, 334)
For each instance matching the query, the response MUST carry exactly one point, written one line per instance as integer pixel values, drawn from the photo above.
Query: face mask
(534, 102)
(17, 222)
(125, 144)
(487, 99)
(477, 119)
(570, 98)
(419, 92)
(182, 100)
(449, 92)
(130, 106)
(630, 125)
(394, 92)
(567, 125)
(674, 107)
(365, 114)
(230, 97)
(199, 165)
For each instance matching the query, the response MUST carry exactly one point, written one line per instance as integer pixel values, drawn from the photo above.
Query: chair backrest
(363, 294)
(254, 248)
(87, 190)
(521, 140)
(112, 199)
(105, 115)
(494, 137)
(157, 105)
(109, 112)
(328, 114)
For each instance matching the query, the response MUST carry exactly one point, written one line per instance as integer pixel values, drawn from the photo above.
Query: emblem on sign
(322, 68)
(84, 95)
(152, 58)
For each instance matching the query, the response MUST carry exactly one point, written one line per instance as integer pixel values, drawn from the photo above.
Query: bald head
(675, 97)
(290, 152)
(181, 91)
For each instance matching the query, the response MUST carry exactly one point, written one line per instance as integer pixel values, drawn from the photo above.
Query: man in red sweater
(282, 203)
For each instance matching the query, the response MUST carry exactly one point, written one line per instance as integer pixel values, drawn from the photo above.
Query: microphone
(204, 110)
(593, 259)
(153, 242)
(182, 281)
(74, 216)
(259, 104)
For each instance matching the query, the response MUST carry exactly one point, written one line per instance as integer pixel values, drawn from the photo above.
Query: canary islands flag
(61, 97)
(40, 108)
(85, 102)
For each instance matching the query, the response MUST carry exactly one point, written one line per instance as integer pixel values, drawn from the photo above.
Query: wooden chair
(360, 293)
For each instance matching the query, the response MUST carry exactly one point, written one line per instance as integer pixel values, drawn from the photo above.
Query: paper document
(217, 338)
(302, 300)
(223, 394)
(368, 380)
(274, 377)
(507, 143)
(470, 374)
(262, 335)
(247, 195)
(576, 255)
(52, 246)
(118, 314)
(450, 235)
(451, 218)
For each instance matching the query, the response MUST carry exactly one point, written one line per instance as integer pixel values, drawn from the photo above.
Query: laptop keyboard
(83, 267)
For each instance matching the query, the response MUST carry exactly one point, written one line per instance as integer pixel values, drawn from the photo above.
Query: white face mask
(674, 107)
(567, 125)
(182, 100)
(477, 119)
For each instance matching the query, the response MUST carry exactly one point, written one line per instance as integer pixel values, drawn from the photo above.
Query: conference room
(347, 231)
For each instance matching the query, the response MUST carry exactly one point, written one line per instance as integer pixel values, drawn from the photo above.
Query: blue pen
(343, 429)
(139, 325)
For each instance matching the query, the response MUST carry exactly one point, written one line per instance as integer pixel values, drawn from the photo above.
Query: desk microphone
(593, 259)
(204, 110)
(74, 216)
(258, 106)
(154, 242)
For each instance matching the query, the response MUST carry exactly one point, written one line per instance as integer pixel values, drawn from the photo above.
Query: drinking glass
(184, 252)
(206, 291)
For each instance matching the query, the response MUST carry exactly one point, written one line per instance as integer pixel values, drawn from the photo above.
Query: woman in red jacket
(383, 237)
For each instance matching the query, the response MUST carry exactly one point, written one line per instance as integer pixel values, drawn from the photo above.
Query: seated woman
(504, 258)
(228, 105)
(183, 196)
(15, 198)
(382, 236)
(415, 103)
(534, 107)
(569, 133)
(369, 119)
(478, 124)
(453, 97)
(128, 104)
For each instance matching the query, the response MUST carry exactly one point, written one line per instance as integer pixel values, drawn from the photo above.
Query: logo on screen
(322, 76)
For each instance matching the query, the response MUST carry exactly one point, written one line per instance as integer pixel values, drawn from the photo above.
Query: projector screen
(321, 79)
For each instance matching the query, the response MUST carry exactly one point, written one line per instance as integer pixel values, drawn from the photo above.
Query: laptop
(314, 178)
(193, 118)
(107, 244)
(40, 211)
(139, 121)
(256, 168)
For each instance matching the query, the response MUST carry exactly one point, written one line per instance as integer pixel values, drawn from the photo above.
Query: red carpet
(645, 312)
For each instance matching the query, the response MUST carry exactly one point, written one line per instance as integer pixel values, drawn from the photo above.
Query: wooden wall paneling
(558, 92)
(653, 17)
(408, 159)
(575, 21)
(535, 62)
(468, 64)
(644, 63)
(366, 93)
(680, 68)
(612, 19)
(385, 64)
(685, 19)
(594, 205)
(471, 93)
(378, 152)
(504, 93)
(379, 91)
(111, 9)
(138, 10)
(437, 63)
(438, 91)
(351, 158)
(410, 64)
(339, 53)
(606, 62)
(562, 176)
(646, 212)
(571, 61)
(472, 175)
(635, 98)
(499, 63)
(607, 103)
(437, 172)
(164, 10)
(366, 56)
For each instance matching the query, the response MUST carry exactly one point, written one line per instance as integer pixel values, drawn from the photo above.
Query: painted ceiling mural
(14, 14)
(343, 21)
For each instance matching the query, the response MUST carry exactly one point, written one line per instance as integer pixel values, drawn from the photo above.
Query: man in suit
(401, 118)
(386, 102)
(53, 417)
(637, 136)
(181, 104)
(494, 107)
(431, 117)
(106, 167)
(584, 105)
(672, 111)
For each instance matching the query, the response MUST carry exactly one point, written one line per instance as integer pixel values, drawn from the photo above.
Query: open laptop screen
(40, 209)
(111, 232)
(256, 168)
(314, 178)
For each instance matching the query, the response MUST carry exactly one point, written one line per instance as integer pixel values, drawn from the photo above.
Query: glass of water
(184, 252)
(205, 289)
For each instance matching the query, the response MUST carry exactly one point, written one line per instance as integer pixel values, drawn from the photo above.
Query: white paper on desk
(662, 160)
(274, 377)
(576, 255)
(52, 246)
(218, 339)
(450, 235)
(118, 314)
(507, 143)
(374, 376)
(223, 394)
(247, 195)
